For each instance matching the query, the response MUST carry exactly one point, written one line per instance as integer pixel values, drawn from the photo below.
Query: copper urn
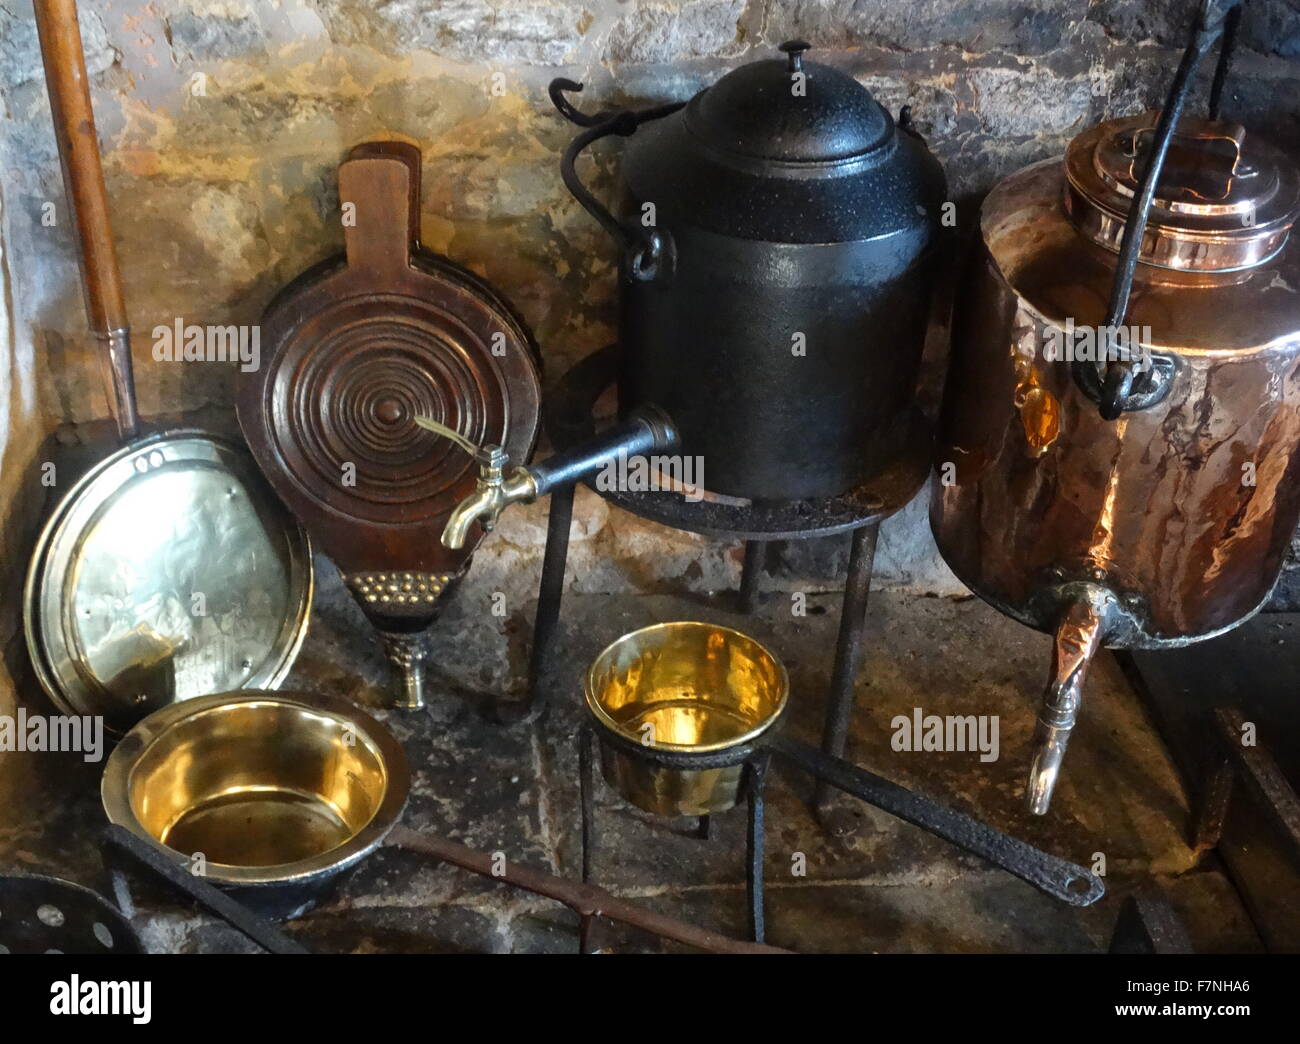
(1131, 487)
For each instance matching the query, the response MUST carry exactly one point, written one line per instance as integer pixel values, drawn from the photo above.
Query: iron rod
(848, 648)
(550, 594)
(751, 574)
(205, 895)
(755, 784)
(586, 900)
(1057, 877)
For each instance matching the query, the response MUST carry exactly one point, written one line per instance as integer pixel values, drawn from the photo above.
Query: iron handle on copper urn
(1122, 384)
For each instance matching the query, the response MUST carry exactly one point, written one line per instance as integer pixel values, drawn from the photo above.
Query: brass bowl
(270, 788)
(677, 708)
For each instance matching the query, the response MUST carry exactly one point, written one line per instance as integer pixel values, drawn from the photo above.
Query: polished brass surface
(398, 593)
(683, 688)
(267, 787)
(170, 571)
(1177, 515)
(495, 490)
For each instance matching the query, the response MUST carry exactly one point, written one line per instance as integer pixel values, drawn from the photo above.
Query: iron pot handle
(1120, 384)
(644, 248)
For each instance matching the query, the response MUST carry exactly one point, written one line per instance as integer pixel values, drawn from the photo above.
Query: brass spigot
(644, 430)
(496, 489)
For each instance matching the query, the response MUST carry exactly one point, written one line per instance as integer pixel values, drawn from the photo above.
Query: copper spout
(1079, 635)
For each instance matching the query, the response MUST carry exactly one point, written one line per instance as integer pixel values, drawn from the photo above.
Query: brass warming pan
(1146, 500)
(170, 569)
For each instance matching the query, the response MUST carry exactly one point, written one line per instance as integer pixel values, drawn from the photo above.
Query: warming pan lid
(169, 571)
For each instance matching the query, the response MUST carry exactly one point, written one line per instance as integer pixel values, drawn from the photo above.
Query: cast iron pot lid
(169, 571)
(789, 111)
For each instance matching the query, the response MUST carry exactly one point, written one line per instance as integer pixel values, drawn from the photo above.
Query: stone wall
(223, 122)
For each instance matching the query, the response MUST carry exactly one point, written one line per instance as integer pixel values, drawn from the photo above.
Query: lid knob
(795, 49)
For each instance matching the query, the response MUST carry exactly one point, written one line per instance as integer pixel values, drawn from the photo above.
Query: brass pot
(273, 790)
(678, 708)
(1168, 522)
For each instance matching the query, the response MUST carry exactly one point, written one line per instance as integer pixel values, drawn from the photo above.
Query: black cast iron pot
(777, 233)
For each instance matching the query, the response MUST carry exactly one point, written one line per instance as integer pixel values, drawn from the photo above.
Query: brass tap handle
(487, 456)
(496, 487)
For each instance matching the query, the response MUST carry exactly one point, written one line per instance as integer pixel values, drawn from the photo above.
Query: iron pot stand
(570, 420)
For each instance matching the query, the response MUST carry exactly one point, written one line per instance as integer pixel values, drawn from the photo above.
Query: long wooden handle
(83, 180)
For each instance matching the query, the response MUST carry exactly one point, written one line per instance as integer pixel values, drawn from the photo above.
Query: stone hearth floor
(888, 888)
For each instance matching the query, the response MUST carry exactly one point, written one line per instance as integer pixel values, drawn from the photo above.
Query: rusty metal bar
(1212, 807)
(751, 575)
(584, 899)
(1260, 773)
(848, 651)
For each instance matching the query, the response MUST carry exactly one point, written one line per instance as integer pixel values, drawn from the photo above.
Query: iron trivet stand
(570, 420)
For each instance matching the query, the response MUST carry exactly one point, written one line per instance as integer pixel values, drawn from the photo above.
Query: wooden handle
(83, 180)
(381, 182)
